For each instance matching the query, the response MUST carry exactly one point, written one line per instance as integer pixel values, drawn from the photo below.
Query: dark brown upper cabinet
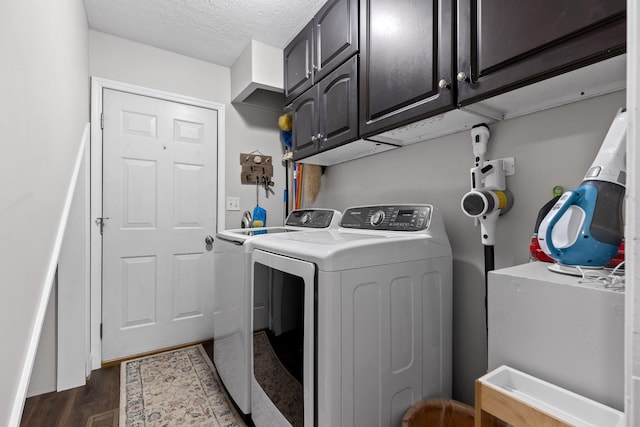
(405, 62)
(506, 44)
(325, 43)
(421, 58)
(326, 116)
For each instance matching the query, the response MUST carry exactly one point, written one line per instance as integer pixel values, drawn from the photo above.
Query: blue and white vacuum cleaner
(585, 226)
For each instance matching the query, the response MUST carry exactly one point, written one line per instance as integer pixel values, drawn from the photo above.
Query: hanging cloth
(259, 213)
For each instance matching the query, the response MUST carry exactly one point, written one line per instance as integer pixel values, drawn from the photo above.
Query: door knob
(208, 240)
(462, 77)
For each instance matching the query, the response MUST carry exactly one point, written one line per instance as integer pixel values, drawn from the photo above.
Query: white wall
(553, 147)
(44, 99)
(248, 128)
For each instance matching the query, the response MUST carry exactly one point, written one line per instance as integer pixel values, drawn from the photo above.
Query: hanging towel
(259, 219)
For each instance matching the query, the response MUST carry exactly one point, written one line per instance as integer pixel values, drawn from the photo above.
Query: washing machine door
(283, 347)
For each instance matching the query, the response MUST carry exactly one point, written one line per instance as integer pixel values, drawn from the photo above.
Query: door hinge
(100, 223)
(100, 330)
(101, 120)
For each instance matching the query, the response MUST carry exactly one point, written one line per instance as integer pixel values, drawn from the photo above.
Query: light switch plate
(233, 203)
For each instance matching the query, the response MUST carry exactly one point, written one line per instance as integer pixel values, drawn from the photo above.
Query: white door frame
(97, 85)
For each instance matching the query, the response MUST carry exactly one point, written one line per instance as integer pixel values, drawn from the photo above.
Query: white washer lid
(343, 249)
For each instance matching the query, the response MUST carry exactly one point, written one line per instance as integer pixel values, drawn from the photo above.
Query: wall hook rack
(256, 167)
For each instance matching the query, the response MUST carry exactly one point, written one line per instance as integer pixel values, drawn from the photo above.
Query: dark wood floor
(72, 408)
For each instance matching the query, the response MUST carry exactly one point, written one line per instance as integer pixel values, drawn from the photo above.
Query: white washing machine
(359, 319)
(232, 328)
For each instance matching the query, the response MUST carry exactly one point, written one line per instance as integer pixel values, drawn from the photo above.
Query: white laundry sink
(548, 398)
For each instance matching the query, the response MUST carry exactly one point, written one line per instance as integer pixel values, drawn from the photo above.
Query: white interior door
(159, 205)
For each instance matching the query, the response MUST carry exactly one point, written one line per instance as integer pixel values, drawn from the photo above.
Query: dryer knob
(377, 218)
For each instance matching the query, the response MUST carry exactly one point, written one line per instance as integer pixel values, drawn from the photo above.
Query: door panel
(519, 24)
(405, 50)
(339, 105)
(407, 77)
(298, 63)
(138, 290)
(305, 117)
(505, 45)
(159, 189)
(336, 35)
(140, 190)
(186, 290)
(188, 208)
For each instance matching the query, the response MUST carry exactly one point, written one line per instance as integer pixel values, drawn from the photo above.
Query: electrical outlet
(233, 203)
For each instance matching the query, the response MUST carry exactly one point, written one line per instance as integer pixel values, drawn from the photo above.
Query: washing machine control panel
(388, 217)
(312, 218)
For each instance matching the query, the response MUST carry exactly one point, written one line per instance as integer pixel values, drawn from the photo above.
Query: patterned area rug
(282, 388)
(179, 387)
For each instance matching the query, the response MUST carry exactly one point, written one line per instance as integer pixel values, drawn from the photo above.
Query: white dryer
(232, 327)
(359, 318)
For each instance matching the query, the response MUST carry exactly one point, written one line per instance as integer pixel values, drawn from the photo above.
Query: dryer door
(283, 347)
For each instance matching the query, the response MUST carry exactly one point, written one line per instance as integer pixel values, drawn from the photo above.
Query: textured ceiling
(212, 30)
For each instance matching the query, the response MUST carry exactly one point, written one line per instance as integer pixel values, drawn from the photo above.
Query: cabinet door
(305, 124)
(405, 49)
(505, 44)
(338, 101)
(298, 57)
(336, 35)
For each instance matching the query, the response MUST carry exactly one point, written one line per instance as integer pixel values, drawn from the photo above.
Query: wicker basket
(438, 413)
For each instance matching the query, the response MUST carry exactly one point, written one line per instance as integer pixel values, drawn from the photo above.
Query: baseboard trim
(107, 363)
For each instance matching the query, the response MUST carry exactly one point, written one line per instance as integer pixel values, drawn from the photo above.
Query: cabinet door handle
(313, 69)
(444, 84)
(462, 77)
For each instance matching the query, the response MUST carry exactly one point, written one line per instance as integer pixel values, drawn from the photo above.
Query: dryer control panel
(312, 218)
(388, 217)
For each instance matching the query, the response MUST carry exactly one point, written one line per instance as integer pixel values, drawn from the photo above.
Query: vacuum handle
(552, 218)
